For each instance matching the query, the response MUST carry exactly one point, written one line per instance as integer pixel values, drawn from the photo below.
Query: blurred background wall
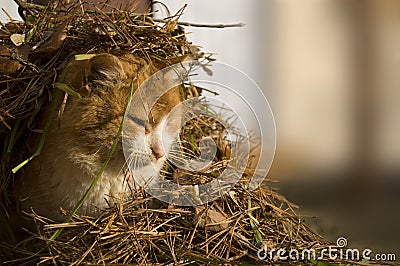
(330, 70)
(337, 108)
(10, 7)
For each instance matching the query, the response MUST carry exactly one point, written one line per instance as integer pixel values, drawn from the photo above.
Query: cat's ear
(103, 71)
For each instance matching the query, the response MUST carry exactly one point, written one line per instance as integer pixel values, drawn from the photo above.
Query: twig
(26, 5)
(15, 56)
(199, 25)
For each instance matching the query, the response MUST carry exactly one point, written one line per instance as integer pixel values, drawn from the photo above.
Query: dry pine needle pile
(228, 230)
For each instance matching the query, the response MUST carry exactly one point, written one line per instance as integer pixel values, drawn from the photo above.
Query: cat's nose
(157, 151)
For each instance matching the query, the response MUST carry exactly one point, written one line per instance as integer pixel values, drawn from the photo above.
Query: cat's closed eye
(138, 121)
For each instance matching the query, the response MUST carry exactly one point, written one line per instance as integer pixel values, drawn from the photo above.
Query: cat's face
(149, 141)
(104, 82)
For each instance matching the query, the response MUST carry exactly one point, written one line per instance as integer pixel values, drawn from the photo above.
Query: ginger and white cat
(78, 144)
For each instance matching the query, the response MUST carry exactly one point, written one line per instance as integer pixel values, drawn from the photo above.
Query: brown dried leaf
(54, 42)
(9, 65)
(211, 219)
(17, 39)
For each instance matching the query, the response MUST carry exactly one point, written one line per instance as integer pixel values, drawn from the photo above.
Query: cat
(78, 143)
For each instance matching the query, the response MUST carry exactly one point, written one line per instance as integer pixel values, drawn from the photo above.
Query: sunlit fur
(79, 142)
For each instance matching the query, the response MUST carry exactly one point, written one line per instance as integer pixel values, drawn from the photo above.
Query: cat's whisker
(122, 169)
(186, 150)
(129, 161)
(169, 164)
(133, 161)
(179, 160)
(184, 141)
(182, 154)
(183, 149)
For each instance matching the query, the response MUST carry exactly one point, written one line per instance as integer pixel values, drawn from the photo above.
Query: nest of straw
(229, 230)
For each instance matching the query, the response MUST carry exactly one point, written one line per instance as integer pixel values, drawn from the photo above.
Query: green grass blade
(13, 134)
(192, 142)
(25, 162)
(56, 102)
(80, 57)
(257, 234)
(64, 87)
